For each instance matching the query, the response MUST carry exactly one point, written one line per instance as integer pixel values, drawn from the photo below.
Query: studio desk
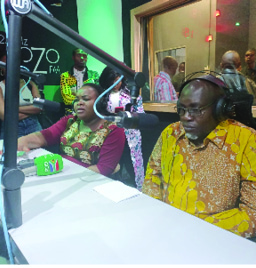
(65, 221)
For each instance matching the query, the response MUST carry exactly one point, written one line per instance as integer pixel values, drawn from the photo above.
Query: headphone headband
(236, 104)
(210, 78)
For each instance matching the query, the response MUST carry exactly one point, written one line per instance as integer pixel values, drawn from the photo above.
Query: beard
(191, 136)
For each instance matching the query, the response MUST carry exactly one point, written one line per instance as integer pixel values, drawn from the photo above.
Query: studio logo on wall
(21, 6)
(43, 52)
(45, 60)
(39, 60)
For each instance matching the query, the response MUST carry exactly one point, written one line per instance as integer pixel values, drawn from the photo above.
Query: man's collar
(77, 71)
(216, 136)
(165, 74)
(73, 68)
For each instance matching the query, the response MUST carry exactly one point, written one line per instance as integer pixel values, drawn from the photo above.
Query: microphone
(46, 104)
(139, 82)
(134, 120)
(42, 166)
(134, 92)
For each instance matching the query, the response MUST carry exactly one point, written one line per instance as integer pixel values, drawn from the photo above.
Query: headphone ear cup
(221, 109)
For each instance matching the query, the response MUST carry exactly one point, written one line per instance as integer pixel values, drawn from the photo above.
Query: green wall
(100, 22)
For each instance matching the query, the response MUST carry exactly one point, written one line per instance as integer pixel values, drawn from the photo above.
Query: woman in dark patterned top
(84, 138)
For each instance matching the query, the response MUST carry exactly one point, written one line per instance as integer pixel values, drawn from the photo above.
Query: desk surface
(66, 222)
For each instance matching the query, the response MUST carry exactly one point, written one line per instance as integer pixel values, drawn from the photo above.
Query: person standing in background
(250, 69)
(164, 89)
(231, 75)
(178, 78)
(74, 79)
(119, 99)
(28, 120)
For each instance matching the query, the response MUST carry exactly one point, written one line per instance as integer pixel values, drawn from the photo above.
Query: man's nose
(187, 116)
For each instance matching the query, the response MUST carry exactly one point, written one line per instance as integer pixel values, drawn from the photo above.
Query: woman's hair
(108, 77)
(102, 103)
(96, 87)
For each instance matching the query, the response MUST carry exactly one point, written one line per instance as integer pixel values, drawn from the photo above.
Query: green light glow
(237, 24)
(100, 22)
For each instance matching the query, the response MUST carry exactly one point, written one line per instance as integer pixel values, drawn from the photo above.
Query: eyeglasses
(192, 111)
(249, 55)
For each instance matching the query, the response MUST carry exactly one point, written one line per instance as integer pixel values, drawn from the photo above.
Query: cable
(43, 7)
(102, 94)
(5, 229)
(3, 12)
(25, 83)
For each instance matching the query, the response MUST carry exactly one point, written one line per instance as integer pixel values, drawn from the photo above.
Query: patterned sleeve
(242, 220)
(66, 81)
(94, 76)
(53, 133)
(111, 151)
(138, 108)
(153, 178)
(165, 91)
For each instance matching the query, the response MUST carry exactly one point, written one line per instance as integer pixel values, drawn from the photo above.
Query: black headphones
(234, 104)
(224, 107)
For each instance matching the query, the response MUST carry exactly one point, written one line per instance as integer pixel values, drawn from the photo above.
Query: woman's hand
(23, 144)
(31, 141)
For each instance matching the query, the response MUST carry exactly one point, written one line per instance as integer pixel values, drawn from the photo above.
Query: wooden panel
(169, 108)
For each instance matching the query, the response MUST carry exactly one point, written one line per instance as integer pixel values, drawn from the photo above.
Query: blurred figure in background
(164, 89)
(178, 78)
(231, 75)
(250, 69)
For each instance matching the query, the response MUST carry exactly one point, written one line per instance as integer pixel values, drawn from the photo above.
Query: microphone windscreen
(137, 120)
(52, 106)
(147, 120)
(48, 164)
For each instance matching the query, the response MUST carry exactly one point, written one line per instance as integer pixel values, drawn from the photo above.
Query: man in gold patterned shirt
(206, 165)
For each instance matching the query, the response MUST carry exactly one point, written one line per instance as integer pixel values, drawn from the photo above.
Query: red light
(209, 38)
(217, 13)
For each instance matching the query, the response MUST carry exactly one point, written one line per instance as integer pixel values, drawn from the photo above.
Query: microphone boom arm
(13, 177)
(40, 79)
(69, 35)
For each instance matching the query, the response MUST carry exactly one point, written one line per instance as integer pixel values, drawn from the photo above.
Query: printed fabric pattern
(215, 182)
(133, 137)
(68, 81)
(84, 146)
